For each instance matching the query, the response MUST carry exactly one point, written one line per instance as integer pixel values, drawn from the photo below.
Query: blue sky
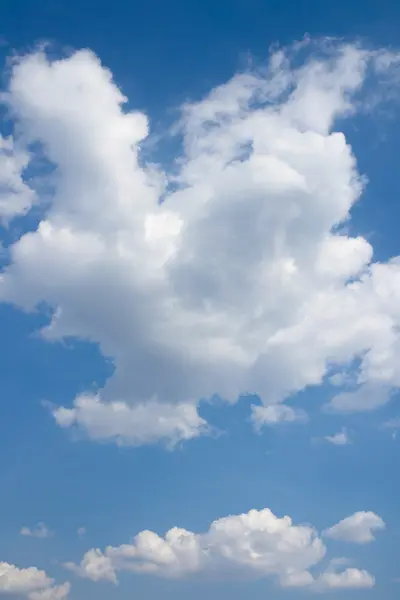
(183, 375)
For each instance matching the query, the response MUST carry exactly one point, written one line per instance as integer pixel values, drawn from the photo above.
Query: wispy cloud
(40, 531)
(341, 438)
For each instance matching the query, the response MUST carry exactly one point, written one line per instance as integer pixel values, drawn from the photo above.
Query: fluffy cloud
(339, 439)
(58, 592)
(229, 274)
(30, 582)
(95, 566)
(350, 578)
(132, 425)
(256, 544)
(16, 197)
(40, 531)
(357, 528)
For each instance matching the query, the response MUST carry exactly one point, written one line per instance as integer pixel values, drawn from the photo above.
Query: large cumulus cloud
(242, 279)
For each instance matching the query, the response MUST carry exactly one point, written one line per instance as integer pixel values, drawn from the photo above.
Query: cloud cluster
(31, 582)
(256, 544)
(230, 273)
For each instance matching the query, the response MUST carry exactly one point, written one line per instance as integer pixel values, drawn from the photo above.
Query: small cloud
(81, 532)
(339, 439)
(359, 528)
(40, 531)
(276, 414)
(127, 425)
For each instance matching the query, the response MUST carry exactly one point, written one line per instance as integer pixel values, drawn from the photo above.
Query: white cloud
(132, 425)
(276, 413)
(350, 578)
(94, 566)
(40, 531)
(339, 439)
(16, 197)
(58, 592)
(256, 544)
(358, 528)
(241, 280)
(15, 580)
(31, 582)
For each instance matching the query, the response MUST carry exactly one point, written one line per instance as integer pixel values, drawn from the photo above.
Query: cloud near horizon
(252, 545)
